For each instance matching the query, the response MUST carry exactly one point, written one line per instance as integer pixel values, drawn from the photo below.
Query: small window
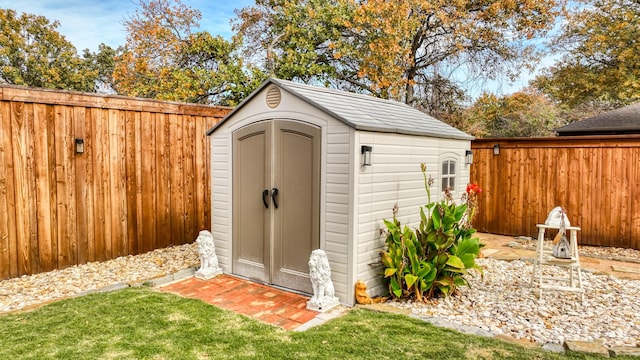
(448, 175)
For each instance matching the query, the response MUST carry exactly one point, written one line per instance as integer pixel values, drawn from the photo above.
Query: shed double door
(276, 198)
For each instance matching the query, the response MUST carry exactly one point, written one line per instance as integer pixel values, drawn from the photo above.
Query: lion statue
(320, 274)
(363, 298)
(209, 266)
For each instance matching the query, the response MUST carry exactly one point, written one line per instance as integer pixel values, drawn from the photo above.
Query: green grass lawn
(140, 323)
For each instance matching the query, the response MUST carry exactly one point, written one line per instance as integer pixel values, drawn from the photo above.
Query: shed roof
(625, 120)
(363, 112)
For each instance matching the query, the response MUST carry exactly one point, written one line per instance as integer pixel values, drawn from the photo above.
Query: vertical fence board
(90, 175)
(102, 215)
(131, 182)
(64, 174)
(590, 182)
(189, 171)
(176, 160)
(80, 183)
(533, 192)
(207, 183)
(163, 169)
(8, 253)
(44, 195)
(634, 208)
(22, 176)
(118, 187)
(138, 174)
(149, 181)
(605, 195)
(597, 201)
(201, 177)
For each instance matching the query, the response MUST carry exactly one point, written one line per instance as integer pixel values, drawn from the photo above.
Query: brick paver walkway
(273, 306)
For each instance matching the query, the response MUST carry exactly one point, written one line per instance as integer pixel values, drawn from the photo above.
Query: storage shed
(298, 167)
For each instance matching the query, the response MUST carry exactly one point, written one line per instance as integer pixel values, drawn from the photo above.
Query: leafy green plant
(432, 259)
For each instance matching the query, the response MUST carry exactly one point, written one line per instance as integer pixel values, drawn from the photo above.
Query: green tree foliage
(165, 59)
(103, 64)
(403, 50)
(602, 63)
(33, 53)
(522, 114)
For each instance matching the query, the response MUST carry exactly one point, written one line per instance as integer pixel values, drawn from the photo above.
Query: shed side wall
(394, 177)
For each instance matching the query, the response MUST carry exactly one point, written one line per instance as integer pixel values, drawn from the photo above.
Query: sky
(88, 23)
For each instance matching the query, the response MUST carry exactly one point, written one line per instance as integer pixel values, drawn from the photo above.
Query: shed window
(448, 175)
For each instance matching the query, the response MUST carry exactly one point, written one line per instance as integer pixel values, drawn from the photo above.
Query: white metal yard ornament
(323, 291)
(556, 217)
(209, 266)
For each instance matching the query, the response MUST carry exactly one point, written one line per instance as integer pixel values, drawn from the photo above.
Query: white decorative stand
(209, 266)
(545, 258)
(323, 298)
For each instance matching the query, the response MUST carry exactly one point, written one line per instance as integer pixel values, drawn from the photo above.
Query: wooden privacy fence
(141, 182)
(597, 180)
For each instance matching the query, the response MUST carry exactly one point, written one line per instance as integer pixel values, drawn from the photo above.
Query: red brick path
(267, 304)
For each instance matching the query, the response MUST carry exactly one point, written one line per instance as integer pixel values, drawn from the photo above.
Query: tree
(522, 114)
(103, 64)
(393, 49)
(601, 65)
(165, 59)
(33, 53)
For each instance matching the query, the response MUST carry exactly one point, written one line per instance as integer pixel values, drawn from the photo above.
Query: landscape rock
(553, 347)
(624, 350)
(588, 347)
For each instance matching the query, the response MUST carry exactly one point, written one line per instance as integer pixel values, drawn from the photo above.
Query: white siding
(395, 178)
(221, 196)
(337, 207)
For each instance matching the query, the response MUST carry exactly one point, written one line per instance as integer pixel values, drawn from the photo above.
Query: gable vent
(273, 96)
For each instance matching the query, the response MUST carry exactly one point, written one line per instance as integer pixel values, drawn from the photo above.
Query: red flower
(473, 189)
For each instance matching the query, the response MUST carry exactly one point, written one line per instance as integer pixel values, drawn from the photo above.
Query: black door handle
(274, 193)
(265, 193)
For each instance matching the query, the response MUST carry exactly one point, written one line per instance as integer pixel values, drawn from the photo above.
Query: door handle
(274, 193)
(265, 194)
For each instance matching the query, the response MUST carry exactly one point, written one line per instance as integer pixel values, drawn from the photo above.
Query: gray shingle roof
(367, 113)
(625, 120)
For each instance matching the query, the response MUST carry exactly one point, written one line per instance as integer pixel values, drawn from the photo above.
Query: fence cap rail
(104, 101)
(599, 141)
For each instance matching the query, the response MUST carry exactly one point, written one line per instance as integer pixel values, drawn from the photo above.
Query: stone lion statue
(209, 266)
(320, 273)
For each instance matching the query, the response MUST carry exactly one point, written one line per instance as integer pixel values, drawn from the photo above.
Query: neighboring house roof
(625, 120)
(363, 112)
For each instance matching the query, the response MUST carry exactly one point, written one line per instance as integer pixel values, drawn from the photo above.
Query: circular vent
(273, 96)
